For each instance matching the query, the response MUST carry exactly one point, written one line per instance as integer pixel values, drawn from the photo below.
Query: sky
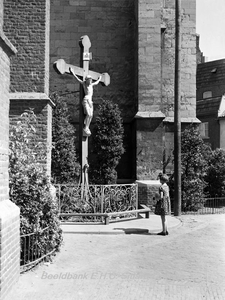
(210, 25)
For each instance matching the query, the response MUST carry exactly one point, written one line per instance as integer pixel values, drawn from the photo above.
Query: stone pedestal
(148, 192)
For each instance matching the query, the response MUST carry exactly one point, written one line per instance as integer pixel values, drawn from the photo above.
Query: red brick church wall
(26, 23)
(9, 212)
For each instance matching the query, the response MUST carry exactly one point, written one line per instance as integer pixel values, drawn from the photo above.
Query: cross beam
(61, 67)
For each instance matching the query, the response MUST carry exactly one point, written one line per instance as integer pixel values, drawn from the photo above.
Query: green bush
(195, 156)
(65, 168)
(194, 165)
(107, 143)
(215, 176)
(29, 187)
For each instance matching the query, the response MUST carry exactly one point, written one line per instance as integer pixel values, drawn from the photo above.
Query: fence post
(102, 200)
(136, 191)
(59, 188)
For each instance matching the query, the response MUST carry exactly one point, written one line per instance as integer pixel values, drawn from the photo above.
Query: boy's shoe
(162, 233)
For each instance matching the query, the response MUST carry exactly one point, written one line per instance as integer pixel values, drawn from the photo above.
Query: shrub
(29, 187)
(194, 164)
(107, 143)
(215, 176)
(65, 168)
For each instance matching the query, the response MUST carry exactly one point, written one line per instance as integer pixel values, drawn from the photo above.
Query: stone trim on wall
(10, 49)
(149, 114)
(31, 96)
(183, 120)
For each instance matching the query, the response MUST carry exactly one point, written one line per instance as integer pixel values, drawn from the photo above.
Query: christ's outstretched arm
(97, 81)
(72, 72)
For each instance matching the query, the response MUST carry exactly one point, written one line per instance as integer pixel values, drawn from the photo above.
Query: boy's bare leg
(164, 223)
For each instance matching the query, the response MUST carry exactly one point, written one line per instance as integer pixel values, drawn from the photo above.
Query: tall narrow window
(204, 129)
(163, 29)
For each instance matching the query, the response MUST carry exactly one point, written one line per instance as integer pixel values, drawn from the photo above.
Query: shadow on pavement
(136, 231)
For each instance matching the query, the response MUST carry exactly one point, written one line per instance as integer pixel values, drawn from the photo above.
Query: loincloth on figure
(88, 106)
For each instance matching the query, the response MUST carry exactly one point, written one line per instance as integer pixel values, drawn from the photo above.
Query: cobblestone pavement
(187, 264)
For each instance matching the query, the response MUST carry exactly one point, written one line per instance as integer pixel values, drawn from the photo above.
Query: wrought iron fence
(207, 206)
(96, 199)
(34, 248)
(213, 206)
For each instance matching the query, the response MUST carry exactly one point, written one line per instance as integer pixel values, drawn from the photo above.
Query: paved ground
(187, 264)
(141, 225)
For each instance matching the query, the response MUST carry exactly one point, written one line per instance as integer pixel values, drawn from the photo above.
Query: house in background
(210, 106)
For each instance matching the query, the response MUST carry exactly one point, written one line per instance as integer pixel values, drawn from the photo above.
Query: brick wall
(149, 148)
(149, 55)
(156, 81)
(132, 40)
(27, 24)
(110, 26)
(1, 14)
(149, 128)
(148, 192)
(188, 58)
(9, 212)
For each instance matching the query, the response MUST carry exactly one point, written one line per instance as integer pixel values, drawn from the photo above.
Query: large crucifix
(86, 93)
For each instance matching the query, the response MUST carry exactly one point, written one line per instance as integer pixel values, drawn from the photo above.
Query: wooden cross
(62, 67)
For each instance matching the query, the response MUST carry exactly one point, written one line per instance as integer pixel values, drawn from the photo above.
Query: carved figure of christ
(62, 67)
(87, 100)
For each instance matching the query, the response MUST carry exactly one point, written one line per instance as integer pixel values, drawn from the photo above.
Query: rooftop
(209, 73)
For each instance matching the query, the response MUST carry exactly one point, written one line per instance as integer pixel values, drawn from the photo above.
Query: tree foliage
(29, 187)
(65, 167)
(195, 156)
(194, 164)
(107, 143)
(215, 176)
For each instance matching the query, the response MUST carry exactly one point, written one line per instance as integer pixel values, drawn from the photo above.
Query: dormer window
(207, 94)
